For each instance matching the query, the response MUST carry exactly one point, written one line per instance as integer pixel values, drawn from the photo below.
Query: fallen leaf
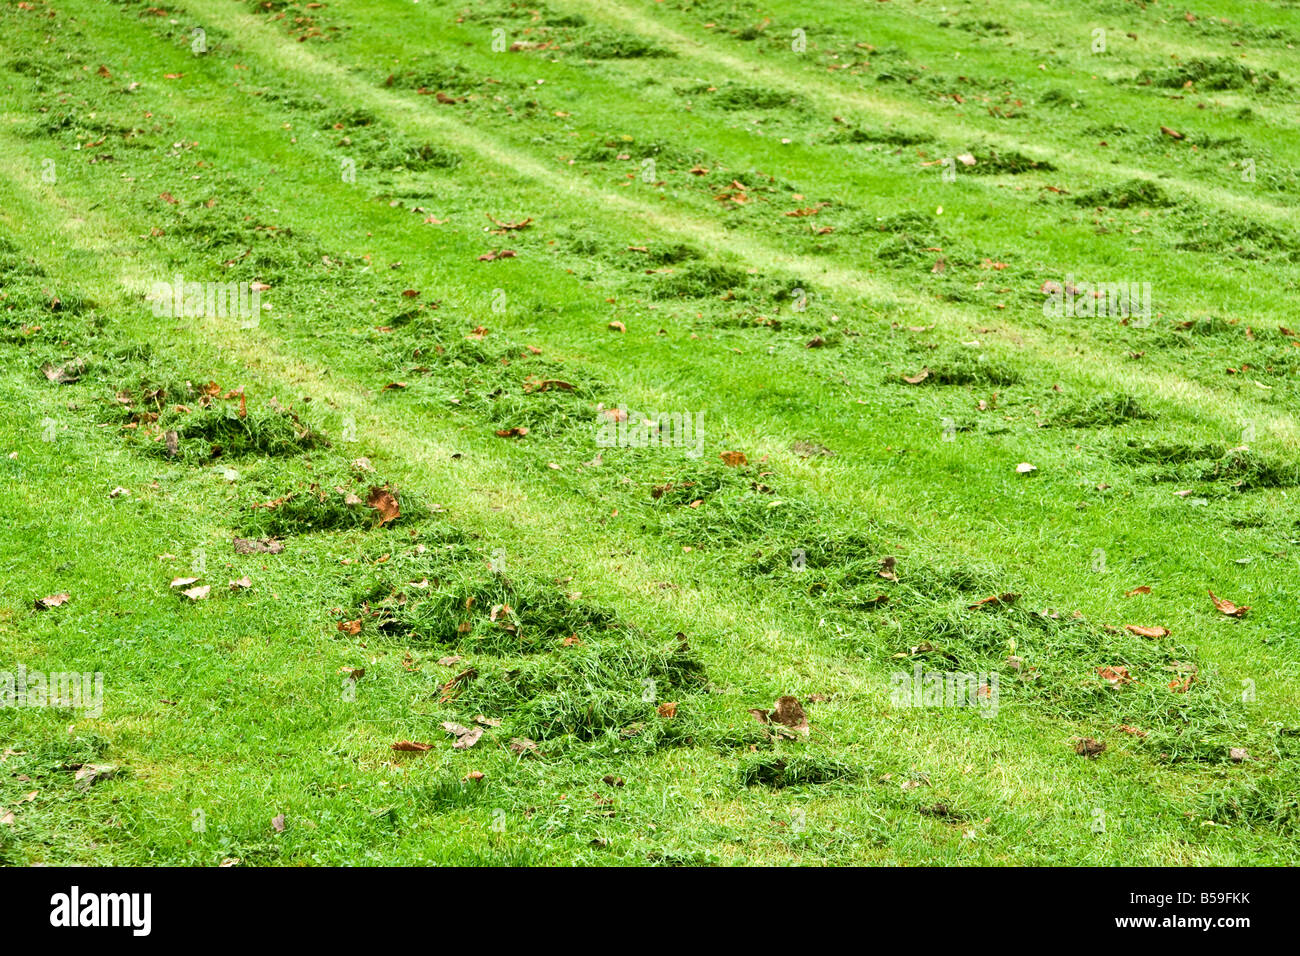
(518, 431)
(1228, 608)
(382, 500)
(789, 713)
(504, 227)
(264, 546)
(277, 823)
(1152, 632)
(118, 492)
(183, 582)
(995, 600)
(1115, 676)
(410, 746)
(466, 737)
(1142, 589)
(450, 688)
(349, 627)
(522, 746)
(618, 326)
(667, 709)
(54, 600)
(244, 582)
(918, 378)
(198, 593)
(1087, 747)
(1025, 468)
(1188, 671)
(1172, 133)
(1238, 754)
(92, 773)
(734, 459)
(64, 374)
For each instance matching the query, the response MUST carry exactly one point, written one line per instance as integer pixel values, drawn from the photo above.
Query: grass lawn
(615, 432)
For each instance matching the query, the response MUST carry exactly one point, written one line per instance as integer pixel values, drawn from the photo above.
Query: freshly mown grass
(702, 219)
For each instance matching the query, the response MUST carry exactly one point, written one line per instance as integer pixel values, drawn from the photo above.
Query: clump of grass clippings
(779, 771)
(1102, 411)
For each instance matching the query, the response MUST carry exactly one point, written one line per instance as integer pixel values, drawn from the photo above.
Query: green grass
(784, 251)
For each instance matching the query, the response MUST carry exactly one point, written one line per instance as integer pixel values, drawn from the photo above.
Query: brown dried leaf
(64, 374)
(91, 773)
(1115, 676)
(450, 688)
(410, 746)
(1228, 608)
(1152, 632)
(789, 713)
(383, 501)
(1087, 747)
(264, 546)
(466, 737)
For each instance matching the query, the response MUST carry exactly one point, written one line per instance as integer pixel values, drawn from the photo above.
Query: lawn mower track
(564, 671)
